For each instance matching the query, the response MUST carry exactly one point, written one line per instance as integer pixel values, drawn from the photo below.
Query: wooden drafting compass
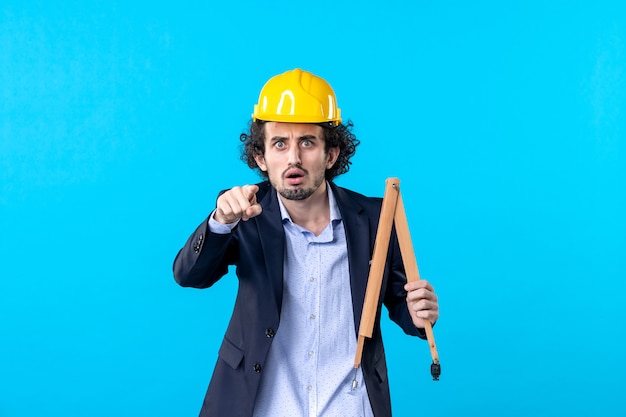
(392, 211)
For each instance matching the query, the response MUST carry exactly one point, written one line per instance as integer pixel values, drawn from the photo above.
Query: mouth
(294, 176)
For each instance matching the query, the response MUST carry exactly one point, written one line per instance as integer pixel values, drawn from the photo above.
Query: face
(295, 158)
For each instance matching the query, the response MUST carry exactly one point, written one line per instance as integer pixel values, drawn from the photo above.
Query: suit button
(198, 245)
(257, 368)
(270, 333)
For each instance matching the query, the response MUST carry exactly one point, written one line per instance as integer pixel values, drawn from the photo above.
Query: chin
(296, 194)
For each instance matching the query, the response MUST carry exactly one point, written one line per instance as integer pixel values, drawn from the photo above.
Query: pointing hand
(237, 203)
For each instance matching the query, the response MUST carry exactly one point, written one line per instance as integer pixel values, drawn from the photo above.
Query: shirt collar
(334, 209)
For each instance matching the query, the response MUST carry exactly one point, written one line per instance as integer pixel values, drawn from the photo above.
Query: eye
(307, 143)
(279, 144)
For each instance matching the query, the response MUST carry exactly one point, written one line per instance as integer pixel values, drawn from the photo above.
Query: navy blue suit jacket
(257, 247)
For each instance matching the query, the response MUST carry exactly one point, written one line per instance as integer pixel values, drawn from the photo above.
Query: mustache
(297, 166)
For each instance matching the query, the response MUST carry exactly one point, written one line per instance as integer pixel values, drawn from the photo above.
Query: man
(302, 248)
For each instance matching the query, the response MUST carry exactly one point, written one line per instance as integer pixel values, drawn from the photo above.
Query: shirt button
(257, 368)
(309, 388)
(312, 279)
(311, 353)
(312, 316)
(270, 333)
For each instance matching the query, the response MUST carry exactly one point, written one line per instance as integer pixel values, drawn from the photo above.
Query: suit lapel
(358, 240)
(272, 238)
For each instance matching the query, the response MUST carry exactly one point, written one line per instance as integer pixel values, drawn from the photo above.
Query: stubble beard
(300, 194)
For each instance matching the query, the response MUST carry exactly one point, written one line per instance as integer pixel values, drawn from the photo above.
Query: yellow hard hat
(297, 96)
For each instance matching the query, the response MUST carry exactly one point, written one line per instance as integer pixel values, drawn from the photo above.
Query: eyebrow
(303, 137)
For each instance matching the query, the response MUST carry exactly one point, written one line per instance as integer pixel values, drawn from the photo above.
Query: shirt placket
(313, 290)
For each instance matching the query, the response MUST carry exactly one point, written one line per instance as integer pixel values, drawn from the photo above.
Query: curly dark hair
(335, 136)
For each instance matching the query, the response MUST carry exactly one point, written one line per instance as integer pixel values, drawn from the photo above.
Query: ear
(333, 155)
(260, 161)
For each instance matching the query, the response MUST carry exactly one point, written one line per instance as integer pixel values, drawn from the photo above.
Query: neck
(312, 213)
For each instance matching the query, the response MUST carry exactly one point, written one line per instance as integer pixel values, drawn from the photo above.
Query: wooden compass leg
(410, 266)
(377, 268)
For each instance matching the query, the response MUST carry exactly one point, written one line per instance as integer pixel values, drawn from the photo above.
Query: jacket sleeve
(205, 257)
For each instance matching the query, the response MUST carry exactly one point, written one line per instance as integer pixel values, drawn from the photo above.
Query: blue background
(504, 120)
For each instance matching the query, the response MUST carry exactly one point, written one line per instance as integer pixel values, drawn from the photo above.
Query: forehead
(287, 130)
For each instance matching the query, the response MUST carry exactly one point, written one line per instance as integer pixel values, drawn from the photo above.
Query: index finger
(249, 191)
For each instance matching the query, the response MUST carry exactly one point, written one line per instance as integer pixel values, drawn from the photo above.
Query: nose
(294, 156)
